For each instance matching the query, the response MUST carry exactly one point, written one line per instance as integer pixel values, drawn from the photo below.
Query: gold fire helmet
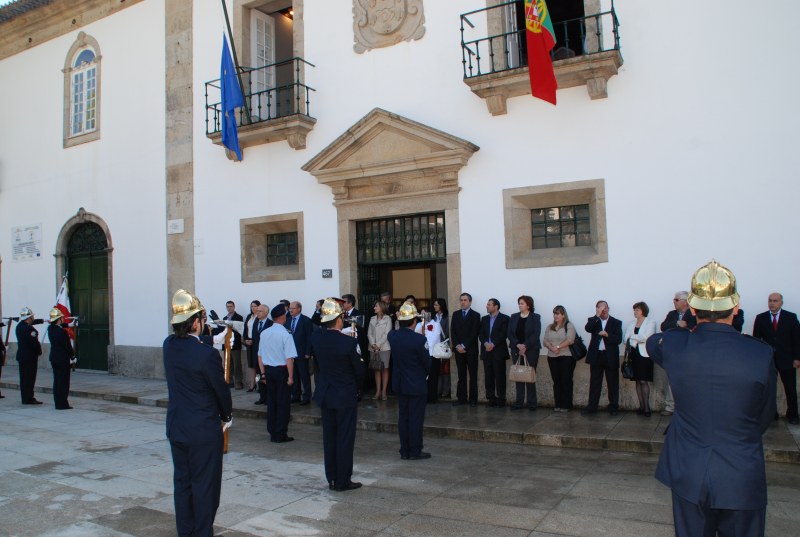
(25, 313)
(184, 305)
(713, 288)
(331, 309)
(55, 313)
(407, 312)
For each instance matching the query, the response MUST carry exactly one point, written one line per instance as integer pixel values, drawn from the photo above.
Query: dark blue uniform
(410, 365)
(28, 351)
(341, 372)
(713, 458)
(199, 400)
(61, 353)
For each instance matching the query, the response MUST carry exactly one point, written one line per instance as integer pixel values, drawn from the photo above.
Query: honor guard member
(62, 356)
(276, 355)
(724, 389)
(199, 411)
(28, 351)
(411, 363)
(340, 373)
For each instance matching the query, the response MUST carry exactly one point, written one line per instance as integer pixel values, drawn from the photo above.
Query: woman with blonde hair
(557, 339)
(379, 327)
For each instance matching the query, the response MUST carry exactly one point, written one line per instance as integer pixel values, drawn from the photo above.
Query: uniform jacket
(199, 398)
(464, 331)
(533, 333)
(340, 369)
(785, 342)
(302, 334)
(614, 329)
(498, 336)
(61, 351)
(410, 362)
(28, 346)
(724, 388)
(671, 320)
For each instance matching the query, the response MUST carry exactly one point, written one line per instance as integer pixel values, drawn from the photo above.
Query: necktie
(294, 323)
(774, 323)
(680, 315)
(464, 313)
(260, 325)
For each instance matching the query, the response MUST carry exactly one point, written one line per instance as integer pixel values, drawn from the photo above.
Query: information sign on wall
(26, 242)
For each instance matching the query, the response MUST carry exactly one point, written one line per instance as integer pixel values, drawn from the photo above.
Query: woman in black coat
(247, 341)
(524, 330)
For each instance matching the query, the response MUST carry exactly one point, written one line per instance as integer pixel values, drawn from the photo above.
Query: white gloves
(227, 425)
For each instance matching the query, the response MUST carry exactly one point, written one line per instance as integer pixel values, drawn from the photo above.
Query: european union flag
(231, 99)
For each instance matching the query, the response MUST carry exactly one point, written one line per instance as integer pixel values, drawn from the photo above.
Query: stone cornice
(52, 20)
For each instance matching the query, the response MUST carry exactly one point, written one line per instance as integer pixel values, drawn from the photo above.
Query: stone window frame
(253, 235)
(82, 42)
(517, 206)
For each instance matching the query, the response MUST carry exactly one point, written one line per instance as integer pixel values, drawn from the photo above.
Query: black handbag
(627, 364)
(578, 348)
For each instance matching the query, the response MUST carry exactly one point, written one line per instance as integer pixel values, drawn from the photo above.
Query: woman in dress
(524, 330)
(247, 339)
(635, 337)
(557, 339)
(379, 327)
(440, 314)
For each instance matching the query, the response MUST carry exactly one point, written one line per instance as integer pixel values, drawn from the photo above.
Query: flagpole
(236, 60)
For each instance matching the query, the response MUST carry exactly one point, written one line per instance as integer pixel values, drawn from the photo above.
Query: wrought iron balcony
(277, 105)
(495, 60)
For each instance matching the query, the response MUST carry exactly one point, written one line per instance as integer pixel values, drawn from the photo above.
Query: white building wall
(119, 177)
(694, 143)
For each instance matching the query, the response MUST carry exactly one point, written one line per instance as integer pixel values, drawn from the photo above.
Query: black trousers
(27, 378)
(61, 385)
(301, 390)
(789, 380)
(433, 380)
(561, 370)
(467, 362)
(694, 520)
(410, 421)
(494, 376)
(279, 401)
(198, 482)
(597, 370)
(338, 443)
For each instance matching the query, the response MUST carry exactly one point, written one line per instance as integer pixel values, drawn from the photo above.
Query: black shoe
(421, 455)
(283, 440)
(793, 421)
(516, 406)
(260, 402)
(304, 403)
(32, 402)
(295, 401)
(331, 485)
(251, 390)
(640, 411)
(613, 411)
(588, 412)
(459, 403)
(473, 404)
(532, 408)
(491, 404)
(647, 413)
(352, 485)
(64, 407)
(404, 457)
(2, 396)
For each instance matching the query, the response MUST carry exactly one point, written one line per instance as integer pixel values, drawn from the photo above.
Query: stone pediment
(387, 155)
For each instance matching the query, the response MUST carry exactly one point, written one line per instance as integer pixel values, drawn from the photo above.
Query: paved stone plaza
(104, 470)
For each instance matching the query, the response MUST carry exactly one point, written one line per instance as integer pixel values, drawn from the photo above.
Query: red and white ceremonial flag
(62, 304)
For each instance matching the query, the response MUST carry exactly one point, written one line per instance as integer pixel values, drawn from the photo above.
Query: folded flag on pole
(541, 40)
(62, 304)
(231, 100)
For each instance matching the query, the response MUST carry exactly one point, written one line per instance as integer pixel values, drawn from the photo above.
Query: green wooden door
(89, 294)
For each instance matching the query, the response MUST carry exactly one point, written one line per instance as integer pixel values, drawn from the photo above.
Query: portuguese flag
(541, 40)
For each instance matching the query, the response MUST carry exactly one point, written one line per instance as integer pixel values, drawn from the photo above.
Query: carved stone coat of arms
(382, 23)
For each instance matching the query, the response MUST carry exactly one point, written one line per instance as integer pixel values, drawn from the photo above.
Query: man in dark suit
(341, 372)
(680, 317)
(61, 359)
(28, 351)
(780, 329)
(301, 328)
(199, 411)
(464, 328)
(713, 457)
(603, 358)
(239, 367)
(411, 363)
(261, 323)
(494, 352)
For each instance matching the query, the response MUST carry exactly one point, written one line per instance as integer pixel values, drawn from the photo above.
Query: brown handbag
(520, 372)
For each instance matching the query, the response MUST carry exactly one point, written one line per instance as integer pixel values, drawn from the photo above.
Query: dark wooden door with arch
(87, 262)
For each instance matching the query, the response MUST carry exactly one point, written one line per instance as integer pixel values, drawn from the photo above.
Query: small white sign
(175, 227)
(26, 242)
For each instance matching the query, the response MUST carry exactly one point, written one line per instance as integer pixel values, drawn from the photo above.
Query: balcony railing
(492, 41)
(271, 92)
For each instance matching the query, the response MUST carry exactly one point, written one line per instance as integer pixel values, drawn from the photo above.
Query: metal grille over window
(282, 249)
(561, 227)
(420, 237)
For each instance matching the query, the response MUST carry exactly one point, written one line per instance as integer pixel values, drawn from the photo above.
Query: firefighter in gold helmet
(61, 358)
(724, 388)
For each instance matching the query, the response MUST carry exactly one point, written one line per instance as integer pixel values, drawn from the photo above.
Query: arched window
(82, 91)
